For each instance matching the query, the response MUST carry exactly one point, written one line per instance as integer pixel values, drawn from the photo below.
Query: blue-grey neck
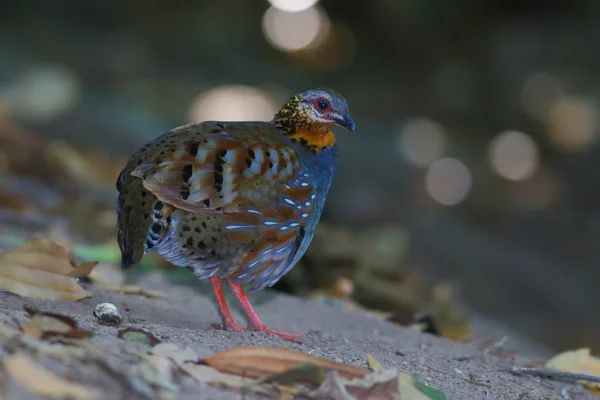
(325, 163)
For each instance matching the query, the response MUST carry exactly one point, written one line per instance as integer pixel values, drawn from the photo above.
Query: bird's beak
(346, 122)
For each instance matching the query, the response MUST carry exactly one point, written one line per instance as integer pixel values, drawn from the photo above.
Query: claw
(229, 326)
(289, 336)
(254, 321)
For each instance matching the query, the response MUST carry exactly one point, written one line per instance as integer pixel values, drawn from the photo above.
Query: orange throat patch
(316, 139)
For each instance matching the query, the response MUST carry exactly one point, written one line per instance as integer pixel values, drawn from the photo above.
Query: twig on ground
(554, 374)
(497, 345)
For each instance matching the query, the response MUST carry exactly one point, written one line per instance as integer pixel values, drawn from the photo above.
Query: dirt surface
(185, 317)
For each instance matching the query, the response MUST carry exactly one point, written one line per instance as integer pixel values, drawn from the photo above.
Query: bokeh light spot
(448, 181)
(42, 92)
(572, 123)
(514, 155)
(421, 141)
(233, 103)
(293, 31)
(293, 5)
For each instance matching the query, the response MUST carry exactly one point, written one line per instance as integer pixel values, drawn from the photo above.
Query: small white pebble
(107, 313)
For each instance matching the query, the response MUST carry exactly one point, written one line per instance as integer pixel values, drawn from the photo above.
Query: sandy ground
(185, 317)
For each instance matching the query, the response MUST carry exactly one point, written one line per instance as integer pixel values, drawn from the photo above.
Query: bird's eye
(323, 104)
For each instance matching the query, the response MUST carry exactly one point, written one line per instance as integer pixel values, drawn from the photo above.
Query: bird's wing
(222, 171)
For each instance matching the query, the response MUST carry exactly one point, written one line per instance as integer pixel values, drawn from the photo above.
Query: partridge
(234, 201)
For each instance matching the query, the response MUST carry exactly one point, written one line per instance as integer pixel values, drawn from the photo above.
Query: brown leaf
(107, 276)
(261, 362)
(39, 325)
(379, 385)
(42, 269)
(186, 359)
(206, 374)
(383, 385)
(44, 325)
(334, 388)
(43, 382)
(158, 371)
(83, 269)
(307, 373)
(65, 353)
(32, 311)
(174, 352)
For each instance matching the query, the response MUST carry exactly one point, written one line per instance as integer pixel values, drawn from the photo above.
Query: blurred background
(469, 193)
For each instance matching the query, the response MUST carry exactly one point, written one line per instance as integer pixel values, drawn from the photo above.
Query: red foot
(229, 326)
(234, 326)
(289, 336)
(254, 322)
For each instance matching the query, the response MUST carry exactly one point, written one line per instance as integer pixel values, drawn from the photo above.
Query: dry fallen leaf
(42, 269)
(206, 374)
(306, 373)
(83, 269)
(43, 325)
(409, 387)
(187, 360)
(261, 362)
(43, 382)
(381, 385)
(578, 361)
(39, 325)
(174, 352)
(334, 388)
(373, 363)
(413, 389)
(66, 353)
(158, 371)
(451, 317)
(107, 276)
(387, 384)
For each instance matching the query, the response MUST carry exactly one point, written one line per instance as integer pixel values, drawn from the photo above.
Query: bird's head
(308, 116)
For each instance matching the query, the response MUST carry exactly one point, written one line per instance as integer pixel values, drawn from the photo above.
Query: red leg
(254, 322)
(226, 317)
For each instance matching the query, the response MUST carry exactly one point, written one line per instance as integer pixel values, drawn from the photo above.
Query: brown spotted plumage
(233, 200)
